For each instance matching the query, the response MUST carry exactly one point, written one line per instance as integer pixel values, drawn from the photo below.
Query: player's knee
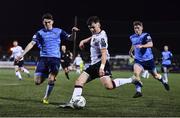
(157, 76)
(136, 74)
(16, 69)
(51, 82)
(109, 87)
(37, 81)
(52, 76)
(21, 69)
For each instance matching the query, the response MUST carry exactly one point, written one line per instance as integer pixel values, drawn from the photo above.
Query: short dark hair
(15, 41)
(92, 19)
(47, 16)
(137, 23)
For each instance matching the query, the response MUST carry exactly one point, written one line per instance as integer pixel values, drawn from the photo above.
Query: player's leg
(159, 77)
(50, 86)
(41, 72)
(138, 84)
(17, 72)
(88, 75)
(107, 82)
(65, 68)
(165, 72)
(78, 88)
(79, 84)
(145, 74)
(23, 69)
(53, 66)
(111, 84)
(78, 69)
(66, 72)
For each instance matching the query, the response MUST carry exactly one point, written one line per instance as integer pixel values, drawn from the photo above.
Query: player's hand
(75, 29)
(62, 60)
(81, 45)
(101, 72)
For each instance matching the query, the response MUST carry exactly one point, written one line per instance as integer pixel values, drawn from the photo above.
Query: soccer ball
(79, 102)
(145, 74)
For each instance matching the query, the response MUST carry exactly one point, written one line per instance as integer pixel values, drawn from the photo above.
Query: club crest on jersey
(94, 39)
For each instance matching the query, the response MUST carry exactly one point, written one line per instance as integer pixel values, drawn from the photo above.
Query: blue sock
(49, 90)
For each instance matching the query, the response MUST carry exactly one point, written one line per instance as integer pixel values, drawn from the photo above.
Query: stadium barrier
(10, 64)
(6, 64)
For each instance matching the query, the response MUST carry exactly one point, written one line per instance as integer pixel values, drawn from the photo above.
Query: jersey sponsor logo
(103, 43)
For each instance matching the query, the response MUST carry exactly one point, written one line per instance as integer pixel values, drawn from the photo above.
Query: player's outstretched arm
(84, 41)
(28, 47)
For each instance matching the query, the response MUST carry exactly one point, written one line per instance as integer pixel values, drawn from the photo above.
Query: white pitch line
(13, 84)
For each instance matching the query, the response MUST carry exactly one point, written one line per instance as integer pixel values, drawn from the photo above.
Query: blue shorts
(165, 66)
(47, 65)
(147, 65)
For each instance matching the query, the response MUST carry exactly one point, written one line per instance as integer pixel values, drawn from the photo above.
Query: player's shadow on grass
(102, 96)
(20, 100)
(57, 103)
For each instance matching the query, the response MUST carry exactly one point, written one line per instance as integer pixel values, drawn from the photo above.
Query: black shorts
(93, 70)
(65, 64)
(19, 63)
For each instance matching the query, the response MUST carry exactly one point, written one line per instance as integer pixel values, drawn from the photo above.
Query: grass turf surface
(23, 98)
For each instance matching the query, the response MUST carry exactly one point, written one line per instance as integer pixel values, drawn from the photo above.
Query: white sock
(121, 81)
(18, 74)
(78, 71)
(138, 88)
(25, 70)
(145, 74)
(166, 77)
(77, 92)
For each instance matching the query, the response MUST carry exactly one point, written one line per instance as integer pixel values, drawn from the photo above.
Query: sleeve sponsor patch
(103, 43)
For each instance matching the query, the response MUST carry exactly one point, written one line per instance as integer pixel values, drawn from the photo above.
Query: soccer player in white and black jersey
(100, 67)
(17, 51)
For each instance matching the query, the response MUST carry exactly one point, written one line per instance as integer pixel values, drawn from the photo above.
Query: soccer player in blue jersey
(144, 59)
(48, 40)
(166, 61)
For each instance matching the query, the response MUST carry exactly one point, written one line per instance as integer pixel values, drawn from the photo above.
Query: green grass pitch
(23, 98)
